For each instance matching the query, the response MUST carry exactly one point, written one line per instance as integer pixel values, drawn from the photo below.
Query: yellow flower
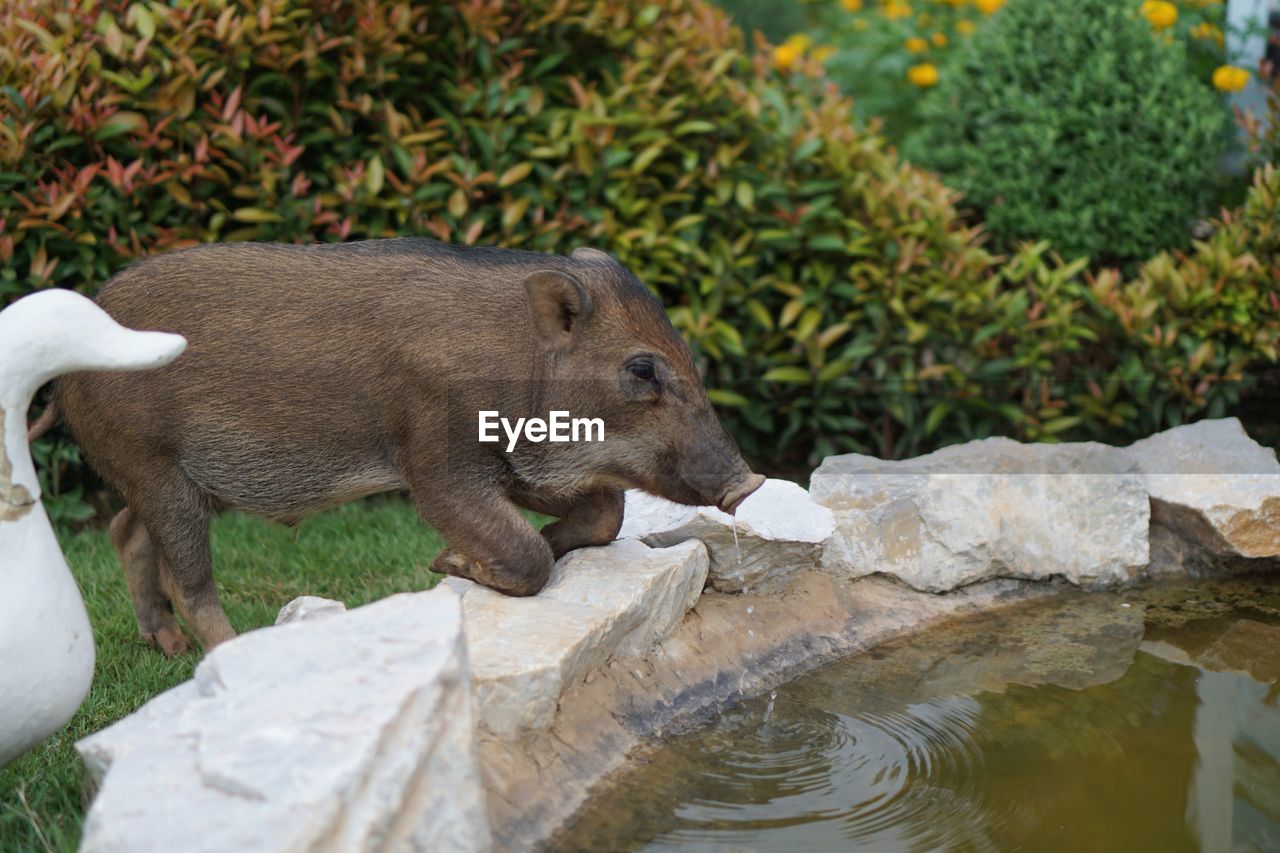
(800, 42)
(785, 56)
(1229, 78)
(988, 7)
(822, 54)
(923, 75)
(1160, 14)
(917, 45)
(851, 5)
(860, 24)
(893, 10)
(965, 28)
(939, 39)
(1208, 32)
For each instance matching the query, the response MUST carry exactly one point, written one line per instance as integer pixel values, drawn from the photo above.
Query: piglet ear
(559, 305)
(586, 253)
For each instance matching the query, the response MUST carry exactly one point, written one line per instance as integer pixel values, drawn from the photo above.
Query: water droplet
(750, 609)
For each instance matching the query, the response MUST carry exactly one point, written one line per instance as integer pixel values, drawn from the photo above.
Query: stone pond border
(461, 719)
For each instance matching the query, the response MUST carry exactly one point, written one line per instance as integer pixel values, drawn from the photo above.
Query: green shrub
(1077, 124)
(878, 44)
(749, 202)
(1188, 330)
(833, 294)
(775, 19)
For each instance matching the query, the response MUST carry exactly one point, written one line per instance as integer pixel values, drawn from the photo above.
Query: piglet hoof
(171, 641)
(449, 562)
(495, 577)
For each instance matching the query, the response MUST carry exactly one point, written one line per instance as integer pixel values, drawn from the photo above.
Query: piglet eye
(642, 370)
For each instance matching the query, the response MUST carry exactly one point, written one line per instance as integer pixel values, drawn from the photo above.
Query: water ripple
(1049, 734)
(872, 780)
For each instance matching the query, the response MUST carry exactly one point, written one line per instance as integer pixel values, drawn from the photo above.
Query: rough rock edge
(652, 589)
(1204, 478)
(385, 762)
(777, 533)
(536, 785)
(915, 518)
(305, 608)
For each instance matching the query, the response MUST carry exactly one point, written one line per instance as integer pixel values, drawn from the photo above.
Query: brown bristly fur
(316, 375)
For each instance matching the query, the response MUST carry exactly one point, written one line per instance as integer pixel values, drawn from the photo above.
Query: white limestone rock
(781, 532)
(308, 607)
(644, 591)
(619, 600)
(354, 731)
(526, 651)
(990, 508)
(1214, 485)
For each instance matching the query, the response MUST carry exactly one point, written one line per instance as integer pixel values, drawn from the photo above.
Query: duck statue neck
(46, 645)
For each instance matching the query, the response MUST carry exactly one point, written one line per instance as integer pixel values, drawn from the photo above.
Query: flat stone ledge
(986, 509)
(338, 731)
(780, 533)
(619, 600)
(1215, 486)
(353, 731)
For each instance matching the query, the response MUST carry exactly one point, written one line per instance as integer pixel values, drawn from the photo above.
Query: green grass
(357, 553)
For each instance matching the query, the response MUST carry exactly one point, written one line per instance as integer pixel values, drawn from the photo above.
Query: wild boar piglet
(316, 375)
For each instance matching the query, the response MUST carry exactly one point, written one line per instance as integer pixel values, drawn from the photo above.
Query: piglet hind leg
(177, 516)
(143, 570)
(489, 541)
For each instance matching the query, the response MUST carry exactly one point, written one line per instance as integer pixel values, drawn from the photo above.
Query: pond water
(1146, 721)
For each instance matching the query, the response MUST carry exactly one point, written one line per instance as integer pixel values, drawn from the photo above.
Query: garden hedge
(1079, 124)
(833, 293)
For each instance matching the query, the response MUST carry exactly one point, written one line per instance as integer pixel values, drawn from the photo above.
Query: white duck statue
(46, 645)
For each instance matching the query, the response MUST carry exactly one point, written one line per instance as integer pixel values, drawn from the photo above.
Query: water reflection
(1080, 725)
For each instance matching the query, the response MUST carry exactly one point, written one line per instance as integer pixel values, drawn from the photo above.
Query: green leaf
(808, 148)
(143, 20)
(693, 126)
(646, 157)
(255, 215)
(119, 125)
(515, 174)
(721, 397)
(648, 15)
(788, 374)
(935, 417)
(375, 175)
(808, 322)
(834, 370)
(515, 212)
(1060, 424)
(761, 314)
(826, 243)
